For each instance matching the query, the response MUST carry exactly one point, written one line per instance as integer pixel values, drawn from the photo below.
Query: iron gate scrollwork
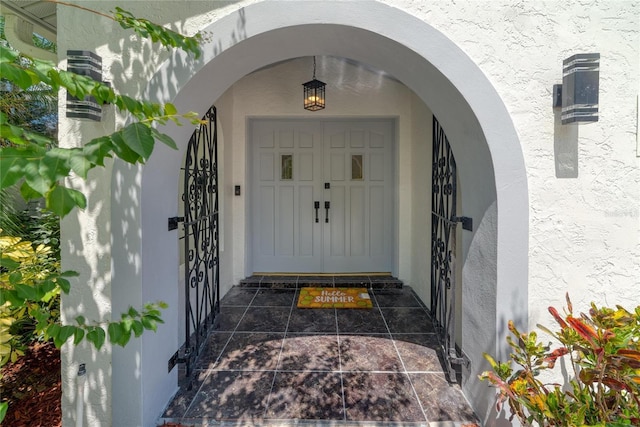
(443, 240)
(201, 237)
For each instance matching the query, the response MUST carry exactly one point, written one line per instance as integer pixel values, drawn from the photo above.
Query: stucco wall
(583, 181)
(352, 91)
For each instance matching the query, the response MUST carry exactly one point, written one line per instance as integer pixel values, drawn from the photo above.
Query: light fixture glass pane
(357, 169)
(286, 172)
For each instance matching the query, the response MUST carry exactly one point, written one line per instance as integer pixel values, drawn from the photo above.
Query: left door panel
(287, 168)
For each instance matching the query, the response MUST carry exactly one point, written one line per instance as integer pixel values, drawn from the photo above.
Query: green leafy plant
(30, 282)
(602, 349)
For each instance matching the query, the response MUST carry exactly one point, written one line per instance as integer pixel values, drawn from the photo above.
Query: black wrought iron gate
(443, 245)
(201, 243)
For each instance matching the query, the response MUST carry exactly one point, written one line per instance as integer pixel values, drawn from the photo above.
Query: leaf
(122, 150)
(149, 323)
(97, 150)
(79, 163)
(115, 332)
(585, 331)
(37, 182)
(164, 138)
(557, 317)
(63, 335)
(78, 335)
(3, 410)
(15, 277)
(61, 200)
(28, 193)
(103, 93)
(138, 137)
(26, 292)
(16, 74)
(69, 273)
(170, 109)
(55, 164)
(9, 264)
(137, 328)
(11, 165)
(96, 336)
(64, 284)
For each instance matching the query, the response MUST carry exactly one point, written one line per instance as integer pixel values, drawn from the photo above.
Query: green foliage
(603, 350)
(30, 282)
(148, 30)
(26, 155)
(30, 277)
(29, 287)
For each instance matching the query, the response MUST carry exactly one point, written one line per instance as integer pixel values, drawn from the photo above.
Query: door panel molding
(354, 158)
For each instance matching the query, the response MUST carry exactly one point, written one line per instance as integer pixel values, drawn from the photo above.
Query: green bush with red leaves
(601, 353)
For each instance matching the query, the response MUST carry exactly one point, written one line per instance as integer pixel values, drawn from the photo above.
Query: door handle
(316, 205)
(327, 206)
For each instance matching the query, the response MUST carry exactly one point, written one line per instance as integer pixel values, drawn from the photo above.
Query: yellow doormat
(334, 298)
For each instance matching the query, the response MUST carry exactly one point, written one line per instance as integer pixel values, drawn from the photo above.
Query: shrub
(603, 351)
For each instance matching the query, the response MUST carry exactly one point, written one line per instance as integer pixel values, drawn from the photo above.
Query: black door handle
(316, 205)
(327, 206)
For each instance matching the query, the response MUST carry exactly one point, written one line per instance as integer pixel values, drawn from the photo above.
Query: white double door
(322, 195)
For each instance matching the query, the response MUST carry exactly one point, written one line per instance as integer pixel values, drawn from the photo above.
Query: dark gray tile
(238, 297)
(442, 401)
(228, 318)
(313, 320)
(212, 349)
(236, 396)
(251, 281)
(385, 282)
(306, 395)
(178, 406)
(273, 298)
(419, 352)
(309, 352)
(305, 280)
(279, 282)
(380, 397)
(318, 283)
(368, 353)
(355, 321)
(352, 281)
(265, 319)
(407, 320)
(396, 298)
(251, 352)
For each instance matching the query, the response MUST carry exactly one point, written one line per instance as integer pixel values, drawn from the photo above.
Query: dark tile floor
(271, 363)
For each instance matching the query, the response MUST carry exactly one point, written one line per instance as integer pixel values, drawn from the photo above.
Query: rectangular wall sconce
(84, 63)
(578, 94)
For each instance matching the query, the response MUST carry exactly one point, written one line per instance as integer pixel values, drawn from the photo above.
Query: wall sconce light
(88, 64)
(314, 91)
(578, 93)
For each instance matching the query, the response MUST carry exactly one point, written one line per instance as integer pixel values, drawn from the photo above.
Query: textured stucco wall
(583, 181)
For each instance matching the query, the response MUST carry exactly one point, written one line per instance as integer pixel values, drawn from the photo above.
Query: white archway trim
(482, 135)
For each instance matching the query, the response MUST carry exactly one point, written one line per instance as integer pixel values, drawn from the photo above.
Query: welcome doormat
(334, 298)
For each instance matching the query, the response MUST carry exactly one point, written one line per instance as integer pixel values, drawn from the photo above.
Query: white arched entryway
(490, 166)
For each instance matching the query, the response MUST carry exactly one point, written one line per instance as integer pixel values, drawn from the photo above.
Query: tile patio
(271, 363)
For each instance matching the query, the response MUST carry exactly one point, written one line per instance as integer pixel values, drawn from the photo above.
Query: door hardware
(173, 222)
(327, 206)
(316, 205)
(327, 185)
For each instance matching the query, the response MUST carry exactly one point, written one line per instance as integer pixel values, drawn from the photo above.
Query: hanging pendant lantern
(314, 92)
